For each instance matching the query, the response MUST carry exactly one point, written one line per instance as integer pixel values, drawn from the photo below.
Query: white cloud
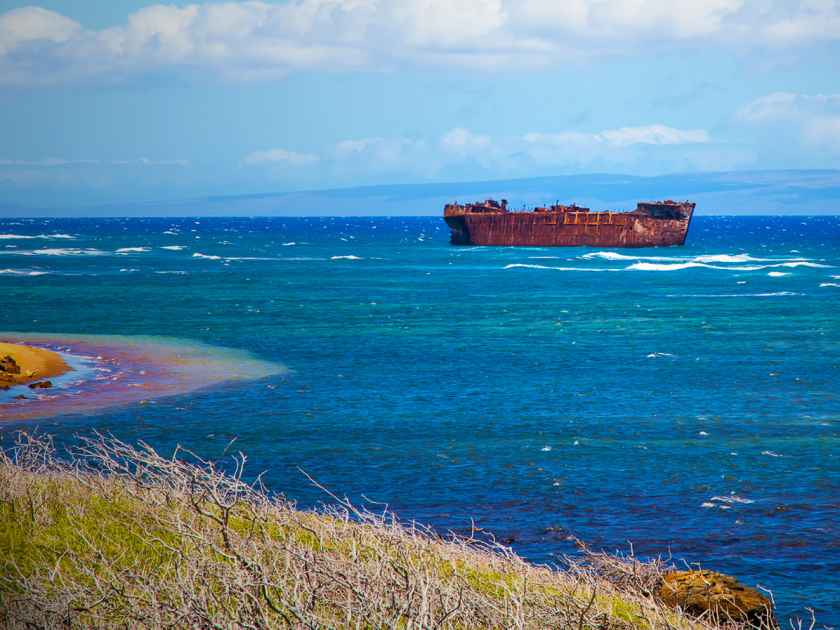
(259, 40)
(382, 157)
(461, 141)
(806, 20)
(461, 152)
(649, 149)
(622, 137)
(62, 162)
(675, 19)
(788, 106)
(19, 27)
(811, 119)
(281, 156)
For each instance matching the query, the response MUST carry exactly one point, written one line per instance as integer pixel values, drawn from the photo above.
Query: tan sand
(35, 364)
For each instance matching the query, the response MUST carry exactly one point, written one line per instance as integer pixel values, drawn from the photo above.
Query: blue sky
(108, 101)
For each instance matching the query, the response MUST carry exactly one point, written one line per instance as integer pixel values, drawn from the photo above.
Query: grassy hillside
(121, 537)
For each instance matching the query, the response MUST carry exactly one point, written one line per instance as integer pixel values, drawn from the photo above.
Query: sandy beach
(21, 364)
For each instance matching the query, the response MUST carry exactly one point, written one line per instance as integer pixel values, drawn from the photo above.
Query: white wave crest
(132, 250)
(693, 264)
(732, 498)
(206, 256)
(174, 248)
(22, 272)
(16, 237)
(705, 259)
(527, 266)
(349, 257)
(60, 251)
(829, 284)
(617, 256)
(778, 274)
(649, 266)
(733, 295)
(731, 258)
(802, 263)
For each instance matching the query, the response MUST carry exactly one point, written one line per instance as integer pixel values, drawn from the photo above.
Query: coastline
(22, 364)
(111, 371)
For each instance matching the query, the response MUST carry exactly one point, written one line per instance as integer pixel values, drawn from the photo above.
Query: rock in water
(41, 385)
(9, 365)
(717, 597)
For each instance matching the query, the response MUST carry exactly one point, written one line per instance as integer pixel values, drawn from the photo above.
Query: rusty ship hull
(652, 224)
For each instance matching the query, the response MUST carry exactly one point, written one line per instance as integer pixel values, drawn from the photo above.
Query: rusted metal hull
(549, 229)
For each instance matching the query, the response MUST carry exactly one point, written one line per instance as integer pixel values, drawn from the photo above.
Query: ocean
(681, 400)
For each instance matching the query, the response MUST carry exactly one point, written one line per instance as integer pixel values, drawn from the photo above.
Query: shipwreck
(651, 224)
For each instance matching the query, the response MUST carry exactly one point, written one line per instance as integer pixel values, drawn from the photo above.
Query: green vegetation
(122, 537)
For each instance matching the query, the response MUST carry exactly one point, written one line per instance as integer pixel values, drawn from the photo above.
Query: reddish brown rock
(717, 597)
(41, 385)
(9, 365)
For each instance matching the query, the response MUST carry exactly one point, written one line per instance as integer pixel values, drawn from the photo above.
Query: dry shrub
(119, 536)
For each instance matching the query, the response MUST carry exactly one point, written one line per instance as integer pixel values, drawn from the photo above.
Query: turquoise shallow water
(684, 399)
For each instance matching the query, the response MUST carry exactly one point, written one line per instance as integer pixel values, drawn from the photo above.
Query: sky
(112, 101)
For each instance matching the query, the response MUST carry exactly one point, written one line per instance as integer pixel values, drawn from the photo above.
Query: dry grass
(119, 536)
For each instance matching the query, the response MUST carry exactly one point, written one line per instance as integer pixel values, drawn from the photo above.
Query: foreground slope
(121, 537)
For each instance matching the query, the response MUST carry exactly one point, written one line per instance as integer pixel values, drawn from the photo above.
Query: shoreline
(22, 364)
(94, 372)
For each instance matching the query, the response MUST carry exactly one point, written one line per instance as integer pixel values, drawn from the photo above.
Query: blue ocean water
(682, 399)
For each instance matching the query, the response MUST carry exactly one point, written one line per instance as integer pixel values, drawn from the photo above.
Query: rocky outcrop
(41, 385)
(8, 365)
(9, 372)
(717, 597)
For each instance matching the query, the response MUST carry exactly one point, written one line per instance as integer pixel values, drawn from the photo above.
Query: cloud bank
(813, 120)
(257, 40)
(460, 149)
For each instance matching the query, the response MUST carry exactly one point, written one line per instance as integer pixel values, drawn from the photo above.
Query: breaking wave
(17, 237)
(733, 295)
(648, 266)
(60, 251)
(617, 256)
(732, 258)
(132, 250)
(732, 498)
(693, 264)
(527, 266)
(349, 257)
(704, 258)
(22, 272)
